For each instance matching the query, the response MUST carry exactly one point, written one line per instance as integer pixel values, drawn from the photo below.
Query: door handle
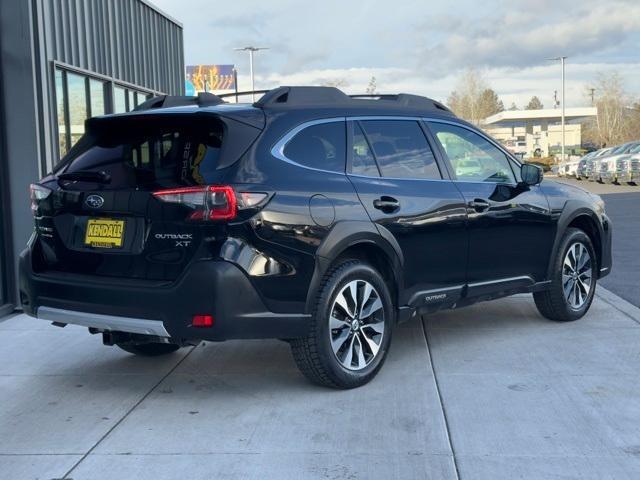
(479, 205)
(386, 204)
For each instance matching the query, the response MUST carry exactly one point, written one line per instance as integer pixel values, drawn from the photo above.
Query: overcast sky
(419, 46)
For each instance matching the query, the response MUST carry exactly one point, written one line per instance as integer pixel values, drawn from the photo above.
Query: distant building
(60, 63)
(539, 132)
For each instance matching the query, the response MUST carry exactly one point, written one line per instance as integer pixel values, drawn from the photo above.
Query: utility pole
(562, 62)
(592, 94)
(251, 50)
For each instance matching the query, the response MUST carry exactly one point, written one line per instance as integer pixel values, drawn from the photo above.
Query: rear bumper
(218, 288)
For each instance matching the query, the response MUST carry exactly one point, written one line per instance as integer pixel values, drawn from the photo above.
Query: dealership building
(529, 131)
(62, 62)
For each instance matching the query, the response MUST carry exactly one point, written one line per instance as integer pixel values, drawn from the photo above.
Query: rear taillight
(37, 193)
(212, 202)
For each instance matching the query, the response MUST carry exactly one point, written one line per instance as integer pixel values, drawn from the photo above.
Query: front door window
(473, 158)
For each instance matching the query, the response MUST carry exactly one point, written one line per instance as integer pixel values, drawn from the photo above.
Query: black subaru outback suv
(309, 216)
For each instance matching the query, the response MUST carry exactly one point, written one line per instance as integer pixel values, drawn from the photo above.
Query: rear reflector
(202, 321)
(37, 193)
(212, 202)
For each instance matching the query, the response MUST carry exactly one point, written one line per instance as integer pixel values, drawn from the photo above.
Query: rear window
(151, 153)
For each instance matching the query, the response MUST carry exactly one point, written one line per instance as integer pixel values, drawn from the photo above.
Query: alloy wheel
(356, 324)
(577, 275)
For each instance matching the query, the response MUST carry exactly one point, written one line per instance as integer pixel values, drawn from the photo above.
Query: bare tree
(473, 99)
(617, 121)
(634, 122)
(513, 106)
(534, 104)
(372, 87)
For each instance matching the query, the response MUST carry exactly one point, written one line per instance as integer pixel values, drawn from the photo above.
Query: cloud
(525, 35)
(516, 85)
(417, 46)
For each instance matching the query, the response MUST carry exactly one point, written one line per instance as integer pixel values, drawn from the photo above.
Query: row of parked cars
(620, 164)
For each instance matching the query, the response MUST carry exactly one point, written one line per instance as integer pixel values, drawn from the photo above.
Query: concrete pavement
(491, 391)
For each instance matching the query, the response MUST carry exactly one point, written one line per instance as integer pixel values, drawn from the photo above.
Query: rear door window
(401, 149)
(362, 161)
(322, 146)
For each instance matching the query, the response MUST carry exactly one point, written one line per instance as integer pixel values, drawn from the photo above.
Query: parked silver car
(592, 166)
(614, 168)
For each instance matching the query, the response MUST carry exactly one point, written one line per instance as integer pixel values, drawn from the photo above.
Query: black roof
(304, 97)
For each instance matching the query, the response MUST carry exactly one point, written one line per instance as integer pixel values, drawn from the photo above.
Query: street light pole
(562, 59)
(251, 50)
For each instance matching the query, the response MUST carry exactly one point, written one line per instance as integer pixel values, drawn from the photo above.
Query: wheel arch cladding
(360, 240)
(578, 215)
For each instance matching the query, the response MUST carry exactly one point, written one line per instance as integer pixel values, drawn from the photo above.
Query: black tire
(553, 303)
(314, 354)
(149, 349)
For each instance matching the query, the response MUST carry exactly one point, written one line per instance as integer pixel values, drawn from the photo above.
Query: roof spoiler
(204, 99)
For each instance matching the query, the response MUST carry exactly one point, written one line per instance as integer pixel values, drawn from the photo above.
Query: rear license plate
(104, 233)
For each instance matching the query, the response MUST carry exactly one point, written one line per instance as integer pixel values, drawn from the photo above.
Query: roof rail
(293, 96)
(302, 96)
(204, 99)
(406, 100)
(241, 94)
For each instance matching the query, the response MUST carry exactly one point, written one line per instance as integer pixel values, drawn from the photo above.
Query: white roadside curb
(618, 303)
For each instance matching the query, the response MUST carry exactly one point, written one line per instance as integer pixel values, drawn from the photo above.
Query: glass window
(131, 102)
(362, 161)
(401, 149)
(60, 103)
(160, 153)
(77, 91)
(472, 157)
(119, 100)
(96, 92)
(319, 146)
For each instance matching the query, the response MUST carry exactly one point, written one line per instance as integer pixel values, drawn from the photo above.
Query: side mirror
(531, 174)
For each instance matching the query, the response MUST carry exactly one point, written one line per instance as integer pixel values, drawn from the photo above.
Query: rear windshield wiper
(86, 176)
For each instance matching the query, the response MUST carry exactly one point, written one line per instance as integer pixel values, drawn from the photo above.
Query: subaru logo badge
(94, 201)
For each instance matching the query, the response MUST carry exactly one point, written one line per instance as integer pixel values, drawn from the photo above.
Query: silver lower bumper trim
(104, 322)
